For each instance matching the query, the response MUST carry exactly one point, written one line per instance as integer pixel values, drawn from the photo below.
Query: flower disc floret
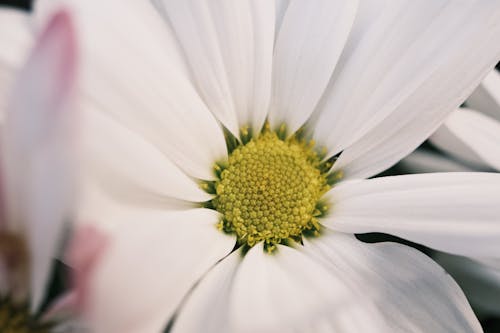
(270, 189)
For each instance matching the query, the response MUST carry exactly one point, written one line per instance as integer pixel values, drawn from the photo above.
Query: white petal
(421, 161)
(480, 133)
(38, 142)
(281, 7)
(384, 34)
(450, 143)
(132, 169)
(133, 71)
(289, 292)
(453, 212)
(486, 98)
(206, 309)
(15, 39)
(309, 44)
(152, 260)
(412, 292)
(400, 84)
(481, 283)
(228, 45)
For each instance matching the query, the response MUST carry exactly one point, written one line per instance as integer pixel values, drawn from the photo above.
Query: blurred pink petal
(37, 147)
(83, 254)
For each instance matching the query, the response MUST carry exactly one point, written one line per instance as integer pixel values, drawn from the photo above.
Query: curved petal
(207, 307)
(453, 212)
(478, 132)
(15, 39)
(38, 143)
(152, 260)
(410, 83)
(486, 98)
(309, 43)
(287, 291)
(281, 292)
(228, 45)
(412, 292)
(130, 168)
(481, 283)
(137, 76)
(243, 294)
(421, 161)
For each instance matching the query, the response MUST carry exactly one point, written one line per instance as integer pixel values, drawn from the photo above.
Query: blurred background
(490, 323)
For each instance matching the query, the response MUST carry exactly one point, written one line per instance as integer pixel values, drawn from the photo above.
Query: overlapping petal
(152, 260)
(470, 134)
(400, 80)
(132, 169)
(452, 145)
(412, 293)
(207, 308)
(486, 98)
(146, 88)
(309, 43)
(454, 139)
(281, 292)
(453, 212)
(421, 161)
(228, 46)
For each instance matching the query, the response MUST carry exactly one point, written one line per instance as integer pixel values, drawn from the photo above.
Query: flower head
(232, 95)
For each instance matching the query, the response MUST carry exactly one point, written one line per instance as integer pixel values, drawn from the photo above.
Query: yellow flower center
(270, 190)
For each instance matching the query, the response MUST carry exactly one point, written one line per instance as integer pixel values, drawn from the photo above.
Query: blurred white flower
(369, 81)
(36, 165)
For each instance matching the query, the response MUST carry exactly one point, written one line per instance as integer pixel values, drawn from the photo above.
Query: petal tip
(58, 40)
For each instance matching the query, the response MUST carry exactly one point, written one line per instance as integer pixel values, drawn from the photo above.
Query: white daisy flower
(36, 166)
(232, 96)
(470, 138)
